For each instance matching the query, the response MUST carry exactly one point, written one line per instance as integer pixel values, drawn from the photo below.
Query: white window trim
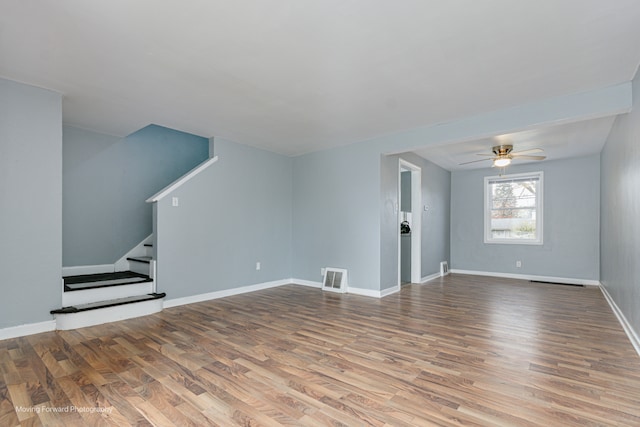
(539, 210)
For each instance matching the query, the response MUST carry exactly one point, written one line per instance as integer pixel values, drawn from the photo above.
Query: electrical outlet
(518, 264)
(258, 265)
(322, 272)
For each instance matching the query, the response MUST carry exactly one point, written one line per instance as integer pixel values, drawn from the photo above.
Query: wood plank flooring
(463, 350)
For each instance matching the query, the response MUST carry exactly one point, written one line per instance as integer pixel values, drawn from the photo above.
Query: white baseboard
(567, 280)
(87, 269)
(628, 329)
(260, 286)
(372, 292)
(350, 289)
(306, 283)
(224, 293)
(364, 292)
(392, 290)
(430, 277)
(28, 329)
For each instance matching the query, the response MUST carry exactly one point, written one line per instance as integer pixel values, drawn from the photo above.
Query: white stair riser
(106, 293)
(107, 314)
(139, 267)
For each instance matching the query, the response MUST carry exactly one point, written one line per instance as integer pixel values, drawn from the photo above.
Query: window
(513, 209)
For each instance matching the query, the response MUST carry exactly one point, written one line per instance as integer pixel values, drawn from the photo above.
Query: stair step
(84, 314)
(144, 259)
(95, 281)
(85, 278)
(108, 303)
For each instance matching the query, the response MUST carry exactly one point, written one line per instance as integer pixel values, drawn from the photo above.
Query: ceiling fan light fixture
(502, 162)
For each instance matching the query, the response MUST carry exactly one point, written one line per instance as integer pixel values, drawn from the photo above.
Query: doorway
(411, 256)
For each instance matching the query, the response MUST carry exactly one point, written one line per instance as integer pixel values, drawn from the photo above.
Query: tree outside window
(513, 209)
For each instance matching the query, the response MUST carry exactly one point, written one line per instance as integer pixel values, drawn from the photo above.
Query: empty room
(343, 213)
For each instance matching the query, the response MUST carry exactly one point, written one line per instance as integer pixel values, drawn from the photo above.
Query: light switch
(174, 201)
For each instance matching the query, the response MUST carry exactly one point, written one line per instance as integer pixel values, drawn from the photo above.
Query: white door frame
(416, 219)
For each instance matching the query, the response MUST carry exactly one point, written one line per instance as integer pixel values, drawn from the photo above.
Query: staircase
(93, 299)
(142, 264)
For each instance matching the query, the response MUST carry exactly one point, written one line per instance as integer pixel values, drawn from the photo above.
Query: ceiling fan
(503, 154)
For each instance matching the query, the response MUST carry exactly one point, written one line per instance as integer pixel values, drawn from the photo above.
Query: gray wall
(338, 208)
(405, 191)
(106, 180)
(571, 222)
(234, 214)
(436, 191)
(30, 203)
(436, 228)
(335, 213)
(620, 213)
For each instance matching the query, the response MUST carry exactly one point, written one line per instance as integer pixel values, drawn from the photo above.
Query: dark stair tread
(145, 259)
(109, 303)
(101, 280)
(86, 278)
(97, 285)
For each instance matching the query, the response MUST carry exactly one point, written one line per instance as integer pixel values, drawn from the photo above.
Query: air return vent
(335, 280)
(444, 268)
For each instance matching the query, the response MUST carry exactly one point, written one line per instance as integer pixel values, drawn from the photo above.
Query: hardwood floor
(464, 350)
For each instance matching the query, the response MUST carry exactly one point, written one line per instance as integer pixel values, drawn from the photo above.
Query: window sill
(514, 242)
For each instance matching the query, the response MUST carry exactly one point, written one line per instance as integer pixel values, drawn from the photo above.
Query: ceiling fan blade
(485, 155)
(517, 156)
(473, 161)
(531, 150)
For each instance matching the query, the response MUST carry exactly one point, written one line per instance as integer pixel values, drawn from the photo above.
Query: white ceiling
(558, 142)
(296, 76)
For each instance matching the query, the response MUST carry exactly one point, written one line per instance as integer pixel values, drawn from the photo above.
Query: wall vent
(335, 280)
(558, 283)
(444, 268)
